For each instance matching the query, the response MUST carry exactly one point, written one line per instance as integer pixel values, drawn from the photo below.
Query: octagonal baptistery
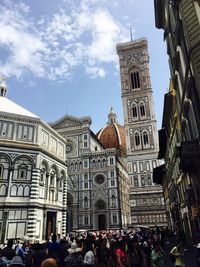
(113, 135)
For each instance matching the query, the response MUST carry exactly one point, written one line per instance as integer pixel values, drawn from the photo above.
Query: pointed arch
(137, 139)
(142, 109)
(135, 79)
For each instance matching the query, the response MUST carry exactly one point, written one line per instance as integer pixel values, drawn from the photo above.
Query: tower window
(134, 112)
(145, 139)
(142, 110)
(135, 80)
(137, 139)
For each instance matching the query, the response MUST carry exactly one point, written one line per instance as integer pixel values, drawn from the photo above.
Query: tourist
(74, 259)
(157, 256)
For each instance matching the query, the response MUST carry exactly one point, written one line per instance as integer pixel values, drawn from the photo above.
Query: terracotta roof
(113, 136)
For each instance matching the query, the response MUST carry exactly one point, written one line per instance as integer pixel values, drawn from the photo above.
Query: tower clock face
(69, 147)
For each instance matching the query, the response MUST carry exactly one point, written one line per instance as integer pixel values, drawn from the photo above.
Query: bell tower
(141, 133)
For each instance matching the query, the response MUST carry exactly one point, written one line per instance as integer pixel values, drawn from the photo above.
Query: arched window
(3, 190)
(42, 175)
(104, 162)
(142, 110)
(85, 202)
(93, 163)
(13, 190)
(134, 112)
(113, 200)
(145, 138)
(52, 178)
(26, 191)
(142, 181)
(20, 191)
(22, 172)
(135, 80)
(149, 181)
(1, 171)
(137, 139)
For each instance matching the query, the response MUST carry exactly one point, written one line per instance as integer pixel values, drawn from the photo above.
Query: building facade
(146, 198)
(179, 137)
(33, 175)
(98, 181)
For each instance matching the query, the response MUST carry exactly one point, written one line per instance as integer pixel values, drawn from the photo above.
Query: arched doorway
(101, 219)
(102, 222)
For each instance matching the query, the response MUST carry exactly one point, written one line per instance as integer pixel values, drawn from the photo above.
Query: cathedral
(98, 184)
(62, 177)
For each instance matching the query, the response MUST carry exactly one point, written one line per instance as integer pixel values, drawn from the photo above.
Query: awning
(158, 174)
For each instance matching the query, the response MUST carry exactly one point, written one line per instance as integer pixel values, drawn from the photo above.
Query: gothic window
(149, 181)
(85, 144)
(114, 218)
(85, 164)
(13, 190)
(142, 181)
(99, 163)
(145, 138)
(80, 165)
(142, 110)
(134, 111)
(93, 163)
(42, 175)
(1, 171)
(135, 80)
(60, 184)
(22, 172)
(111, 161)
(26, 191)
(20, 191)
(113, 200)
(135, 181)
(137, 139)
(52, 178)
(104, 162)
(86, 220)
(85, 202)
(85, 185)
(112, 182)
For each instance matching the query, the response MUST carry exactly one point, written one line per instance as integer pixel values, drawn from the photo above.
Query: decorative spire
(3, 86)
(112, 117)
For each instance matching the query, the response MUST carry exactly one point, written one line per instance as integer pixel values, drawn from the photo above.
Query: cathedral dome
(113, 135)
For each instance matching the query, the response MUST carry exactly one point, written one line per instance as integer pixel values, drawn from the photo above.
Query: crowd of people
(111, 248)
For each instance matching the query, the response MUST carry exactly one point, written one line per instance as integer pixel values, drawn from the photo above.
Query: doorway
(102, 222)
(51, 223)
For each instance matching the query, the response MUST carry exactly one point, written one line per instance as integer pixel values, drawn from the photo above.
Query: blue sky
(59, 56)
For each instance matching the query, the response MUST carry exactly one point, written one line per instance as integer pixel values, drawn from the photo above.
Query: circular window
(99, 179)
(69, 147)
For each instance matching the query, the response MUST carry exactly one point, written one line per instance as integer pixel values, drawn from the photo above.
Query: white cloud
(52, 47)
